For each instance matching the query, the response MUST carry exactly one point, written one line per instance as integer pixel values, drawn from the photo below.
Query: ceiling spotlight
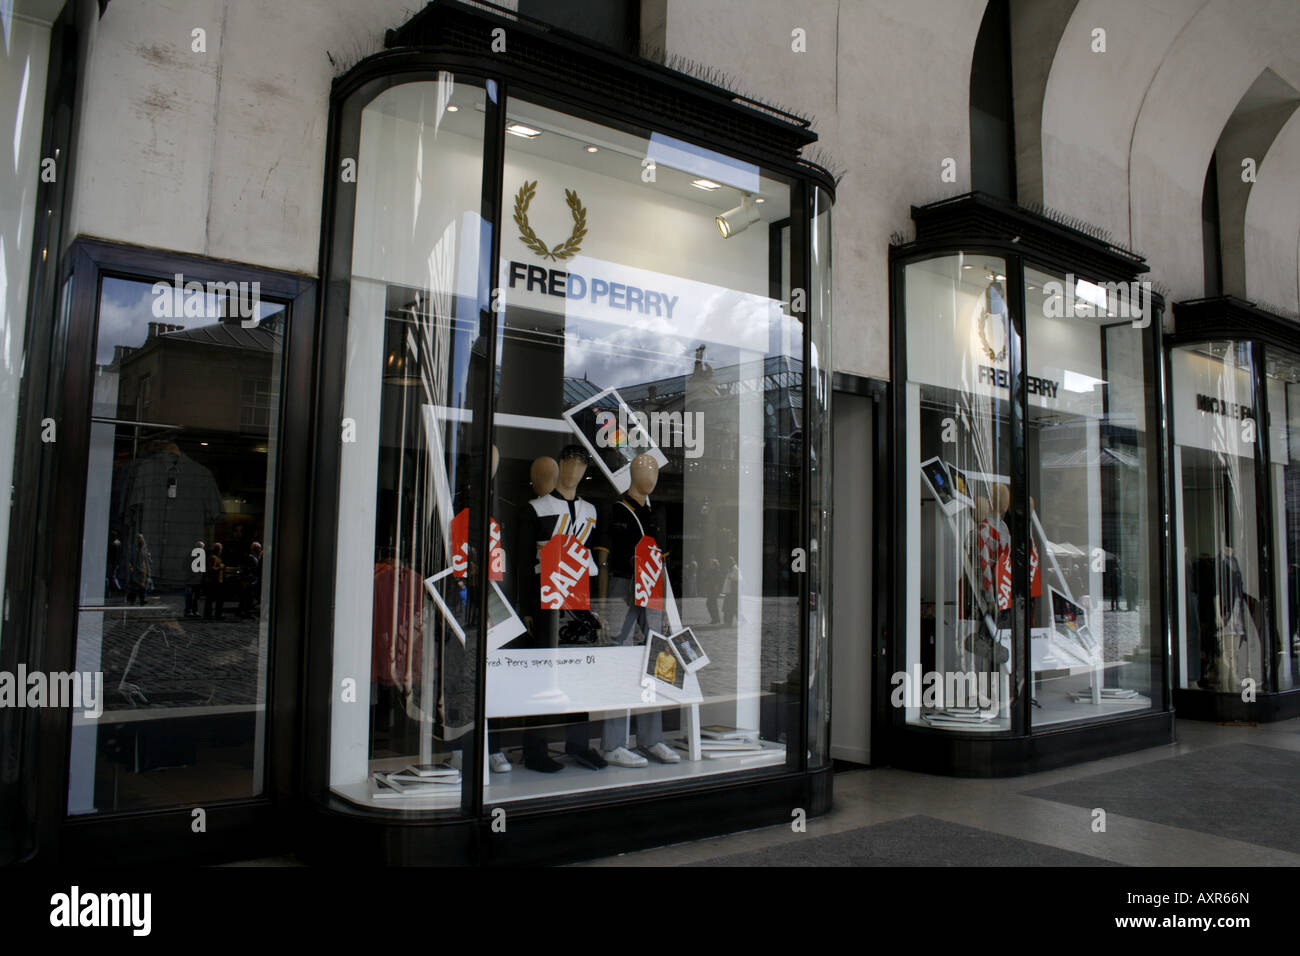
(453, 108)
(739, 219)
(593, 149)
(707, 184)
(519, 129)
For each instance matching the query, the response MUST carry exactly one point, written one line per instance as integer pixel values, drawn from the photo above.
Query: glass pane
(818, 580)
(409, 563)
(649, 425)
(174, 604)
(959, 573)
(1090, 465)
(1283, 386)
(1216, 437)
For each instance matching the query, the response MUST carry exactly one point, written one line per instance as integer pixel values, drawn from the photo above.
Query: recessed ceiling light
(759, 199)
(519, 129)
(968, 266)
(1032, 286)
(593, 149)
(708, 184)
(453, 108)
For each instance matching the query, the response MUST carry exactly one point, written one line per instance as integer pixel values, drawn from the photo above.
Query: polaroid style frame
(613, 460)
(433, 585)
(656, 644)
(503, 623)
(942, 487)
(689, 650)
(1076, 630)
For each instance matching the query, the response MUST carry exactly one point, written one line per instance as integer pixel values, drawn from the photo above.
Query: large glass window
(409, 565)
(1282, 385)
(1090, 465)
(958, 574)
(1091, 610)
(1216, 433)
(649, 425)
(173, 605)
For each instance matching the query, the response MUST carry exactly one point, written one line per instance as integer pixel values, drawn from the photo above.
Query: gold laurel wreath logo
(564, 250)
(985, 315)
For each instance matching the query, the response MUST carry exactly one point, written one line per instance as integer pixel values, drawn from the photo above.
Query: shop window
(1282, 384)
(1091, 609)
(1216, 431)
(408, 567)
(173, 607)
(642, 557)
(958, 433)
(1092, 616)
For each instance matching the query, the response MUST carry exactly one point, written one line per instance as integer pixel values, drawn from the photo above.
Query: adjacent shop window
(649, 430)
(1091, 460)
(1282, 384)
(408, 568)
(1216, 433)
(173, 604)
(958, 494)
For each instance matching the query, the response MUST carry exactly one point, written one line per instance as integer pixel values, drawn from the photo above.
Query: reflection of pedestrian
(689, 575)
(250, 579)
(141, 571)
(712, 587)
(213, 581)
(731, 593)
(194, 583)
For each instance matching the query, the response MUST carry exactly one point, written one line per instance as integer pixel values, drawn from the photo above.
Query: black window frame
(59, 468)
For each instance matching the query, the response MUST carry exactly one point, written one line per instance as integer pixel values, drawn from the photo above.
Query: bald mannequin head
(544, 475)
(1001, 499)
(644, 474)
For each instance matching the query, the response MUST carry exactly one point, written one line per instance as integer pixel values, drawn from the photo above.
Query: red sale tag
(460, 547)
(1004, 579)
(496, 555)
(648, 574)
(460, 543)
(566, 574)
(1035, 579)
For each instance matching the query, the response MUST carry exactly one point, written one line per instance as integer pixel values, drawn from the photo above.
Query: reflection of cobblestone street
(155, 657)
(1122, 633)
(778, 652)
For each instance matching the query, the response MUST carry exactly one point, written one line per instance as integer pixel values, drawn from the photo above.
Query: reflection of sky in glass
(126, 309)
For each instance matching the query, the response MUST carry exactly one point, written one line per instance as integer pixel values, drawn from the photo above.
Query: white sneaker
(663, 753)
(499, 763)
(622, 757)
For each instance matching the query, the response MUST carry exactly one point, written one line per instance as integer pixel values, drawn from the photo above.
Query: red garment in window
(398, 623)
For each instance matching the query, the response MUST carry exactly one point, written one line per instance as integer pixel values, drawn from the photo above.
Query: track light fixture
(737, 220)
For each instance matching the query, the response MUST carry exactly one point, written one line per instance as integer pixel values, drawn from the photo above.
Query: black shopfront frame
(1216, 319)
(981, 224)
(554, 70)
(48, 564)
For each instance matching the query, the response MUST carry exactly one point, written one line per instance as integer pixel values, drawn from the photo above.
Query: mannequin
(636, 573)
(995, 554)
(1229, 615)
(555, 598)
